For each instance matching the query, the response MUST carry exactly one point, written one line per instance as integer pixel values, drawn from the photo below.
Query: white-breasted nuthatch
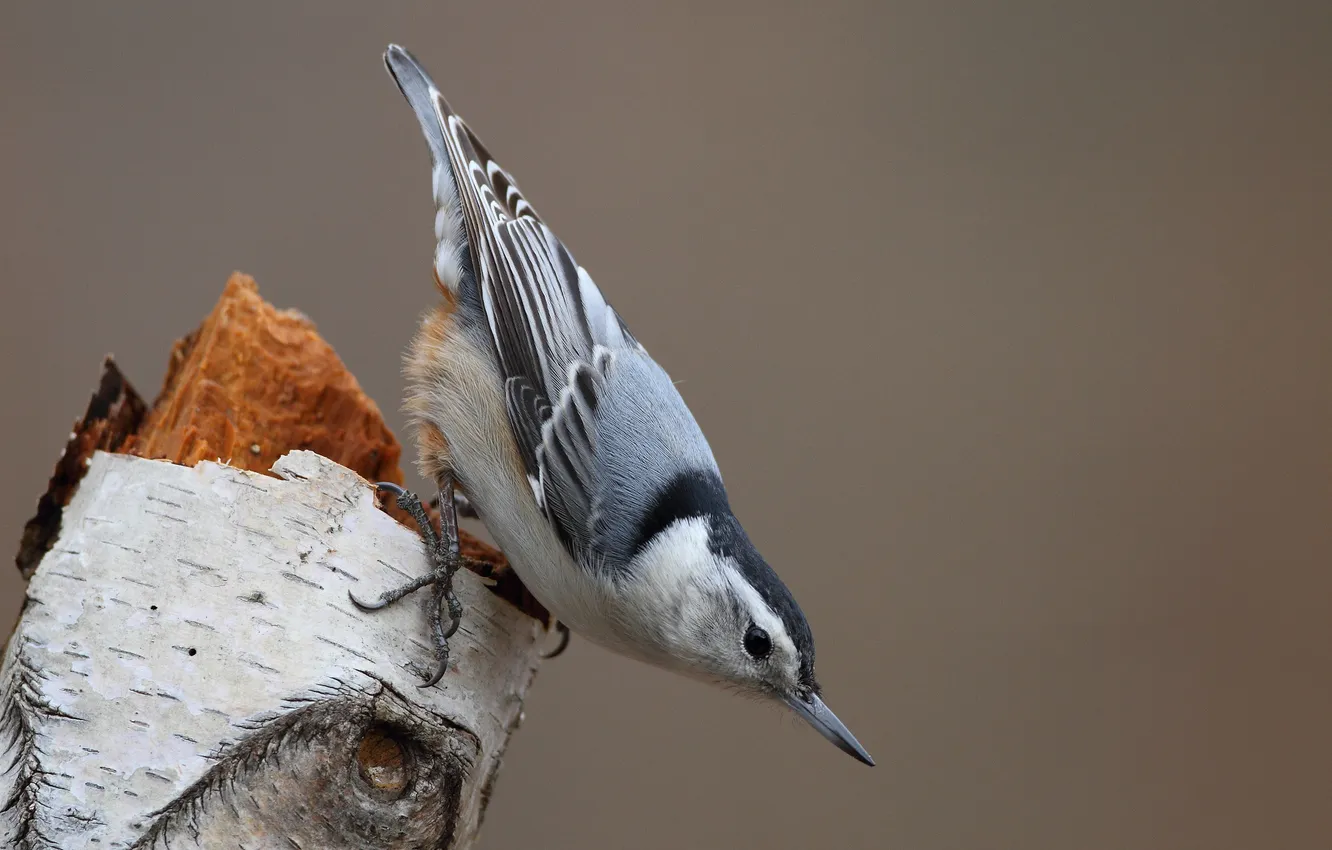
(577, 451)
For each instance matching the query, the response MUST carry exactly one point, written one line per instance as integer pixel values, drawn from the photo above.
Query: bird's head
(721, 614)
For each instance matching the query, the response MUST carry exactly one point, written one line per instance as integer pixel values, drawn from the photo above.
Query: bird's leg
(442, 550)
(461, 504)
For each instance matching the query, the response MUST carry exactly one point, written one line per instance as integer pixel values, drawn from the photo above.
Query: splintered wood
(113, 416)
(189, 670)
(254, 382)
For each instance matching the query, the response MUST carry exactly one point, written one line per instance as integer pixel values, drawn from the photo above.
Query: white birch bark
(189, 671)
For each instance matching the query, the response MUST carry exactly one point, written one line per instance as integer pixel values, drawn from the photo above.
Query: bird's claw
(367, 606)
(564, 642)
(440, 670)
(390, 487)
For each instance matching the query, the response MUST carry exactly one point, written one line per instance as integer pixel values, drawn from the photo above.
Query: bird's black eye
(757, 643)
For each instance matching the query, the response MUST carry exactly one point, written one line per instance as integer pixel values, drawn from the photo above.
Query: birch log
(189, 671)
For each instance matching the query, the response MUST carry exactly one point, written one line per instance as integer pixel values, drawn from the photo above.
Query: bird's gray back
(646, 439)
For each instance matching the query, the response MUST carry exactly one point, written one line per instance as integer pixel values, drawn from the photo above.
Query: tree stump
(189, 671)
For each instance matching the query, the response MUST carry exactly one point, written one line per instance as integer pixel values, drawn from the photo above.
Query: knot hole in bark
(384, 763)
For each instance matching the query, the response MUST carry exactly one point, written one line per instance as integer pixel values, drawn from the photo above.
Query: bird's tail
(452, 258)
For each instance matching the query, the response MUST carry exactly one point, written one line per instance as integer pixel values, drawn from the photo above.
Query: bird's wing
(554, 333)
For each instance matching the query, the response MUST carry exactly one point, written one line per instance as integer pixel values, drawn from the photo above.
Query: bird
(527, 391)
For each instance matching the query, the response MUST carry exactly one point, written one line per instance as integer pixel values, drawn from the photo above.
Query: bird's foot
(442, 551)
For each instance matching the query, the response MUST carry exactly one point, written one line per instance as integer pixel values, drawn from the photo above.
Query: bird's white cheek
(693, 629)
(673, 597)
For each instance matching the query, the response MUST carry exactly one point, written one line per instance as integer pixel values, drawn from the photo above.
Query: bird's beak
(821, 718)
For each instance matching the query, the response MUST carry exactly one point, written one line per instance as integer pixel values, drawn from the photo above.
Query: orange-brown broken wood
(254, 382)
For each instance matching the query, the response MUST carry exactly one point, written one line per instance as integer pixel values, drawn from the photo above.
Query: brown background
(1010, 324)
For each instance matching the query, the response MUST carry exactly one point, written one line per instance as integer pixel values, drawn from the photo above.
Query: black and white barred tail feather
(543, 309)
